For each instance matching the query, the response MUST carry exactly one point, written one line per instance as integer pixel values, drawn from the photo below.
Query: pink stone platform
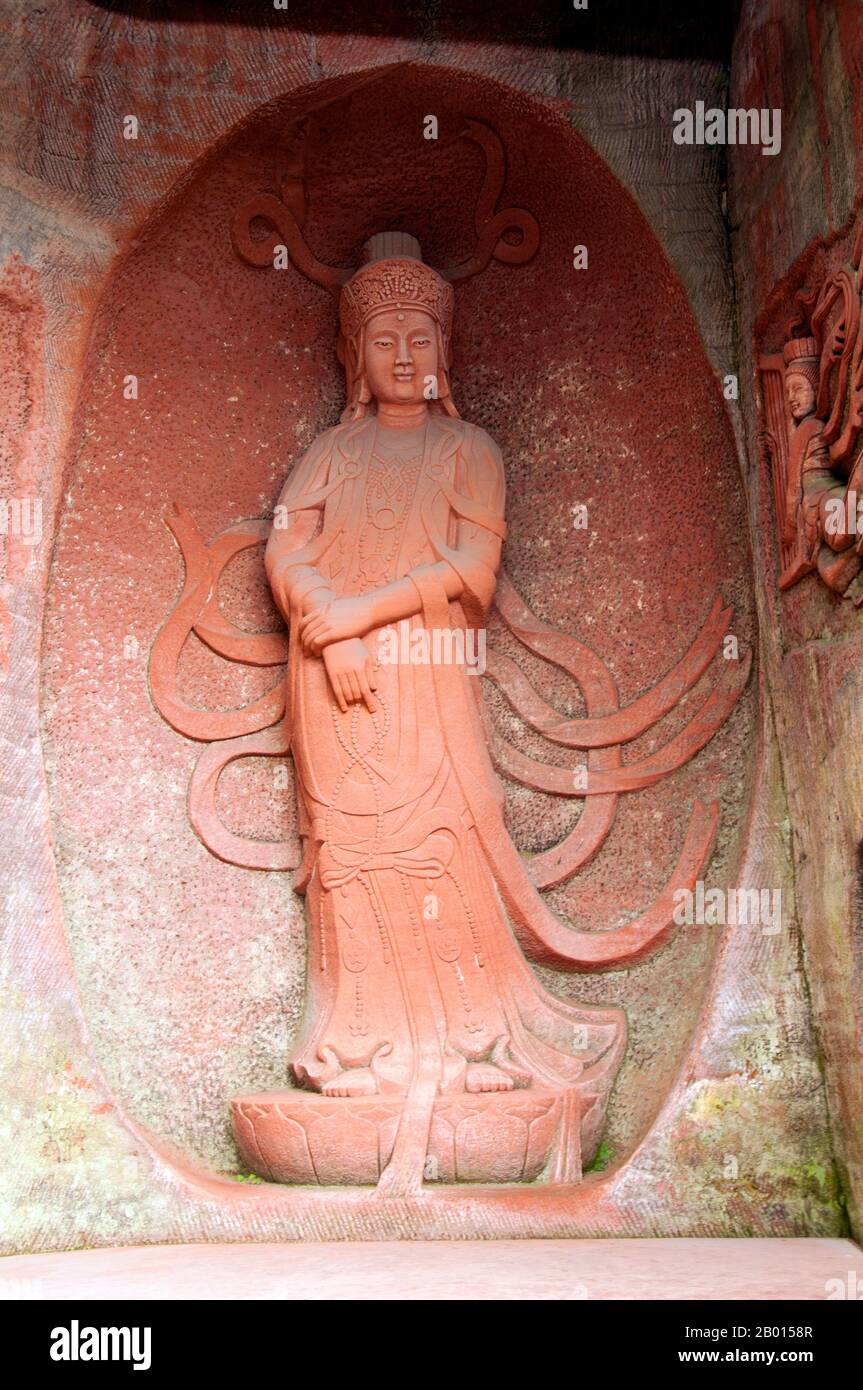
(559, 1270)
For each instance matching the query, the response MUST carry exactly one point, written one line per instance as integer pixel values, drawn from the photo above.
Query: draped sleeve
(480, 478)
(297, 522)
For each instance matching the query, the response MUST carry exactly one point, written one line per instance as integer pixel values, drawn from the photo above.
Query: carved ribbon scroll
(260, 729)
(286, 215)
(254, 730)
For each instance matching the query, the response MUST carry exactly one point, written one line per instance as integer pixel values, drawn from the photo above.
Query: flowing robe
(413, 970)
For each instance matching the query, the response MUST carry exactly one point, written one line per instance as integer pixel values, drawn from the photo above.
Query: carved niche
(448, 1117)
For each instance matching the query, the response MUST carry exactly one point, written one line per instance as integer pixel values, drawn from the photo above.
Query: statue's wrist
(317, 597)
(284, 577)
(305, 583)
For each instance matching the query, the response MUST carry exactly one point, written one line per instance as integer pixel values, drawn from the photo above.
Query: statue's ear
(444, 387)
(444, 347)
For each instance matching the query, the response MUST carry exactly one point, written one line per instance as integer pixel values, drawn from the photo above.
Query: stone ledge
(557, 1270)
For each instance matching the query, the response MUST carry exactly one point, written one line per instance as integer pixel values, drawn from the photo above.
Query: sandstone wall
(79, 1168)
(794, 218)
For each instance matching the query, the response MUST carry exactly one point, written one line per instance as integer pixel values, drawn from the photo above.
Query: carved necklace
(390, 486)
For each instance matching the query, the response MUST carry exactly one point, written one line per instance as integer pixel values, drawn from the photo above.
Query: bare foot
(482, 1076)
(357, 1081)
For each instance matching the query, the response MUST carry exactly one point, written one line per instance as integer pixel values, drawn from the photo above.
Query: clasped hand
(335, 621)
(333, 630)
(351, 673)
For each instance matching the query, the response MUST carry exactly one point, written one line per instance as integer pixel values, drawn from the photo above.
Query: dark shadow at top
(666, 29)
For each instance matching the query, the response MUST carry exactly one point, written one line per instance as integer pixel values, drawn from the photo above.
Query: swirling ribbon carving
(254, 730)
(260, 728)
(284, 217)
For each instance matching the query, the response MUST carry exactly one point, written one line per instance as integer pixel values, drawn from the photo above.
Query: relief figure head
(801, 395)
(801, 376)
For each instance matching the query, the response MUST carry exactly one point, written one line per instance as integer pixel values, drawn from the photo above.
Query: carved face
(401, 358)
(801, 395)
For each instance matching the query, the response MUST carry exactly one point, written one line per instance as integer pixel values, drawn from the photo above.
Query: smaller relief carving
(812, 396)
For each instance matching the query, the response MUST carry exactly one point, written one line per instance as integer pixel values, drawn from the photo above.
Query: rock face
(146, 363)
(797, 225)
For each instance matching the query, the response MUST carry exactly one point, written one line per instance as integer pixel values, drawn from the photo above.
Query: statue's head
(801, 376)
(396, 320)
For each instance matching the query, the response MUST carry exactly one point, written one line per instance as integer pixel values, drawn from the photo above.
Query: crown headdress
(801, 355)
(799, 350)
(394, 276)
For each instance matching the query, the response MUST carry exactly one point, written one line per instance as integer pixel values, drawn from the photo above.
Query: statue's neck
(411, 416)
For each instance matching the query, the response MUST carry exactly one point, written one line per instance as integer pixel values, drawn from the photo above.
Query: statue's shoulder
(312, 468)
(332, 446)
(807, 435)
(477, 444)
(325, 442)
(471, 438)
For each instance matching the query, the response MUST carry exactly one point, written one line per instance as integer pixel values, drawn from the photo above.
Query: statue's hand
(316, 600)
(335, 622)
(352, 673)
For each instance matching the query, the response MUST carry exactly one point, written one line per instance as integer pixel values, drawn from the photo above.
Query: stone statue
(429, 1050)
(395, 514)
